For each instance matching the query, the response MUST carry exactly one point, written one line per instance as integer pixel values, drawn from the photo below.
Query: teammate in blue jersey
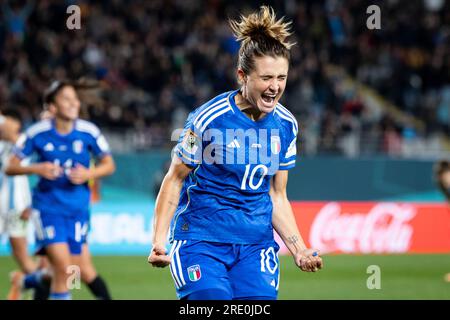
(64, 147)
(225, 191)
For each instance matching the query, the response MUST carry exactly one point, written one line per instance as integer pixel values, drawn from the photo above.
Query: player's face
(67, 104)
(265, 85)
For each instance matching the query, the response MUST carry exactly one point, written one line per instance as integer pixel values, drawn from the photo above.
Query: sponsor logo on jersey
(194, 273)
(234, 144)
(49, 147)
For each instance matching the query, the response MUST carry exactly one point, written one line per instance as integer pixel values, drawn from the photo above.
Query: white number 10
(252, 175)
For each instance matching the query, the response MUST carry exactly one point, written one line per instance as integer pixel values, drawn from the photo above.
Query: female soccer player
(89, 275)
(225, 191)
(64, 146)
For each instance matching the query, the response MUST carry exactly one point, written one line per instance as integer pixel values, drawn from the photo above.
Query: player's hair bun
(261, 24)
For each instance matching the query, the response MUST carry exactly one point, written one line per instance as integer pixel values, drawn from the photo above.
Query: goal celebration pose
(225, 191)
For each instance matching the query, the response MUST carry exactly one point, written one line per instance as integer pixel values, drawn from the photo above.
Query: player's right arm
(24, 148)
(47, 170)
(166, 204)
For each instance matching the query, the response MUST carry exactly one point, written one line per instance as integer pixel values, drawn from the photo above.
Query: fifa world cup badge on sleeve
(292, 150)
(190, 142)
(194, 273)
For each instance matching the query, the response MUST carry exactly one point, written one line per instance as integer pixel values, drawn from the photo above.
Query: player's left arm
(105, 167)
(284, 223)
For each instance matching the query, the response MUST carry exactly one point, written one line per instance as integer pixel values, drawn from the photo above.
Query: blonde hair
(260, 34)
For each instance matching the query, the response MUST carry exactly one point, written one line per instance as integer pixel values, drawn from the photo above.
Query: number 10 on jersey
(249, 176)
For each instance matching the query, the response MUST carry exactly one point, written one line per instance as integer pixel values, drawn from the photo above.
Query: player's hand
(79, 175)
(48, 170)
(26, 213)
(309, 260)
(158, 257)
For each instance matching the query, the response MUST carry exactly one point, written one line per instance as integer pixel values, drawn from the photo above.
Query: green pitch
(344, 277)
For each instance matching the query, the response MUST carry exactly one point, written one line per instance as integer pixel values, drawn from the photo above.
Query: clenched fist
(309, 260)
(158, 257)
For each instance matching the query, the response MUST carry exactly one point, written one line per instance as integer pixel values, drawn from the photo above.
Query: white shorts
(15, 197)
(12, 226)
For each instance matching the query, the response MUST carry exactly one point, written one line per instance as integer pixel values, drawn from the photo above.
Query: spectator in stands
(147, 53)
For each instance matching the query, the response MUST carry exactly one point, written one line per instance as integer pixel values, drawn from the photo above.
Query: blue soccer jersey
(226, 197)
(60, 196)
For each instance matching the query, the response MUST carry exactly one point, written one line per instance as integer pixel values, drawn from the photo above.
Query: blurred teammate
(442, 177)
(225, 209)
(89, 274)
(64, 146)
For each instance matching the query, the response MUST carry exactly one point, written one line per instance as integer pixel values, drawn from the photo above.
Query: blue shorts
(51, 228)
(242, 270)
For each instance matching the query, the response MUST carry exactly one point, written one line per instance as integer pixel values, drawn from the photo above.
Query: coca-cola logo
(384, 228)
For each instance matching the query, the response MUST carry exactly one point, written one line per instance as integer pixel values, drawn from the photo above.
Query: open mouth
(268, 98)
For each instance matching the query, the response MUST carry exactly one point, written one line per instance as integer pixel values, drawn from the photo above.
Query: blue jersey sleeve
(100, 147)
(189, 146)
(24, 147)
(289, 151)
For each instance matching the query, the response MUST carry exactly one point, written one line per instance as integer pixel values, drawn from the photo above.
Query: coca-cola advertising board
(374, 227)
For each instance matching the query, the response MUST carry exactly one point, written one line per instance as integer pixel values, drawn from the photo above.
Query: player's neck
(64, 126)
(247, 108)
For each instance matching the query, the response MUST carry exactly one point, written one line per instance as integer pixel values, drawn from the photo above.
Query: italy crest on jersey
(194, 273)
(275, 144)
(77, 146)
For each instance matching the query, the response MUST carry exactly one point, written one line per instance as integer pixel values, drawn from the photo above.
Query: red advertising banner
(374, 227)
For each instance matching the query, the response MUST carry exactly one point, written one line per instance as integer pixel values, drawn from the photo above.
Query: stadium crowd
(158, 59)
